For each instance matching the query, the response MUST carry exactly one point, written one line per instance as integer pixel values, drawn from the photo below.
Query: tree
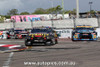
(55, 10)
(92, 11)
(58, 9)
(7, 16)
(40, 11)
(74, 11)
(24, 13)
(12, 12)
(68, 11)
(2, 18)
(51, 10)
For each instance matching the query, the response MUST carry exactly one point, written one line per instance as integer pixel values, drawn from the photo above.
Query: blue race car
(84, 33)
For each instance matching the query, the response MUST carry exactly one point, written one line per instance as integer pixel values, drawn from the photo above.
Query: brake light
(44, 38)
(77, 33)
(93, 33)
(31, 38)
(8, 35)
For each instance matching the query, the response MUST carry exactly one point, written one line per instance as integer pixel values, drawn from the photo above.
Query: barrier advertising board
(64, 33)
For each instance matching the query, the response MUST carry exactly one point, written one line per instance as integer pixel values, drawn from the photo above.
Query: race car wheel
(8, 37)
(56, 41)
(16, 37)
(72, 39)
(50, 42)
(53, 42)
(28, 43)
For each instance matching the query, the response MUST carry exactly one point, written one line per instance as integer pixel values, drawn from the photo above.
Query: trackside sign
(64, 33)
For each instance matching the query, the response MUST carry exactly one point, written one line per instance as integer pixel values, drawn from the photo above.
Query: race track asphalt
(64, 54)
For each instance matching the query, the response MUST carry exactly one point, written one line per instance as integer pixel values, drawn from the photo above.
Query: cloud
(7, 5)
(31, 5)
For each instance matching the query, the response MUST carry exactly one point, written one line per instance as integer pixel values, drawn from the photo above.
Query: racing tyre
(53, 42)
(56, 41)
(50, 42)
(16, 37)
(28, 43)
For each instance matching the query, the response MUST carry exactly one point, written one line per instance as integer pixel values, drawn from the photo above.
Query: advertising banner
(67, 33)
(64, 33)
(40, 17)
(25, 18)
(98, 32)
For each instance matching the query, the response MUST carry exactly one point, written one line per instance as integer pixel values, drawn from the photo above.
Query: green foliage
(40, 11)
(7, 16)
(71, 12)
(24, 13)
(48, 11)
(92, 11)
(67, 12)
(2, 19)
(55, 10)
(13, 12)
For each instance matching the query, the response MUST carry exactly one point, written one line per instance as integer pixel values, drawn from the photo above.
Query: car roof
(84, 26)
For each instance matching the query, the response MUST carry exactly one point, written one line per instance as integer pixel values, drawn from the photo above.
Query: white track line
(6, 64)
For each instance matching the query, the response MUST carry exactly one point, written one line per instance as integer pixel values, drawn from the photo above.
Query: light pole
(31, 23)
(77, 8)
(90, 3)
(63, 8)
(13, 21)
(52, 14)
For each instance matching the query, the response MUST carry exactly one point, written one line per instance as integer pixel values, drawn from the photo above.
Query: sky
(32, 5)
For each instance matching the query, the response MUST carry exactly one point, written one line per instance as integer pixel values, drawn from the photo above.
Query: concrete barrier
(64, 23)
(58, 24)
(68, 23)
(87, 21)
(6, 25)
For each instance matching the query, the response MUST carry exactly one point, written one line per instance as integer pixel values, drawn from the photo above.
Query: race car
(16, 33)
(41, 35)
(84, 32)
